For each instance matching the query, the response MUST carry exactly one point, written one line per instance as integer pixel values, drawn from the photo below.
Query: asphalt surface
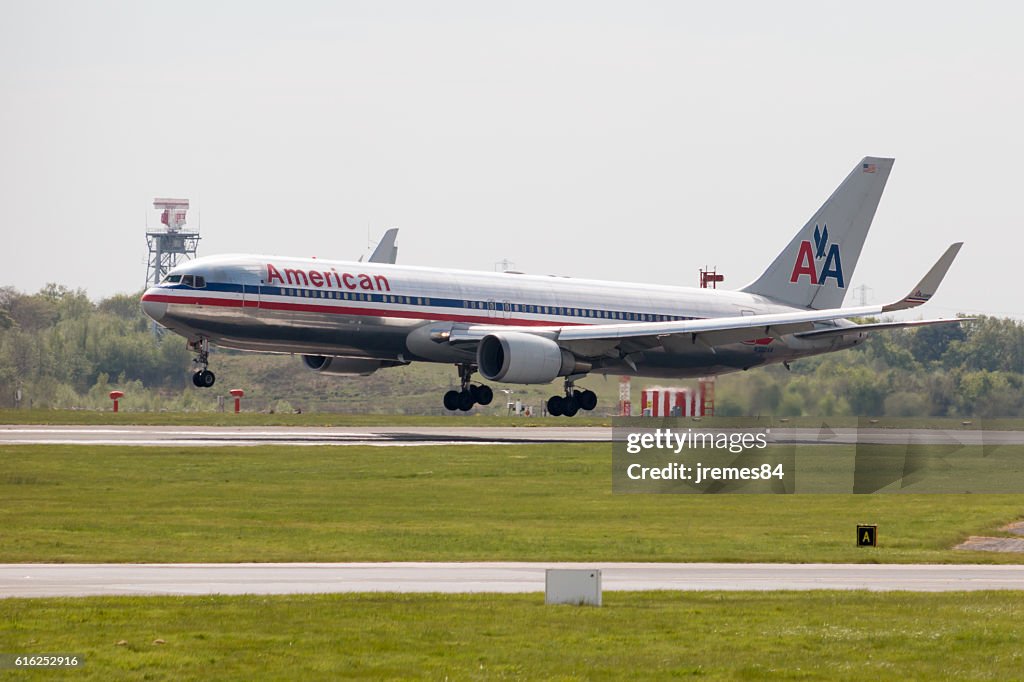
(81, 580)
(292, 435)
(450, 435)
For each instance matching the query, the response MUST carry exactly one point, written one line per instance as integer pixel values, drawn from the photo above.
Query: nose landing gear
(470, 395)
(203, 377)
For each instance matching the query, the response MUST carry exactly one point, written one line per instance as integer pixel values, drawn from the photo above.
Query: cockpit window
(194, 281)
(200, 282)
(172, 279)
(188, 280)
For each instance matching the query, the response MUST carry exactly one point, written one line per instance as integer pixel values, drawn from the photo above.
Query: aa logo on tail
(821, 250)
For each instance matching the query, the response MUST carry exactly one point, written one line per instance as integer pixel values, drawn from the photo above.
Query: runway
(206, 436)
(292, 435)
(83, 580)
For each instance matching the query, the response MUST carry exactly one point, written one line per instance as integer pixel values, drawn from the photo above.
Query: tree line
(59, 349)
(972, 369)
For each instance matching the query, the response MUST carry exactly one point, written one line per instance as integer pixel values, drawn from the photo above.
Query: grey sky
(634, 141)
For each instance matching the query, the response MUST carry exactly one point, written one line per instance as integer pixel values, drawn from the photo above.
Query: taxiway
(82, 580)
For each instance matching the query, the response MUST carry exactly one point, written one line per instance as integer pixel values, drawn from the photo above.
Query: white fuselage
(396, 313)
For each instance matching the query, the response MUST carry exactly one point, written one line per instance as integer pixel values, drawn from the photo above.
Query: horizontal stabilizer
(386, 251)
(927, 287)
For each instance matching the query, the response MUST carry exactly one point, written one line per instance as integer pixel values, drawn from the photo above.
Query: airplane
(356, 317)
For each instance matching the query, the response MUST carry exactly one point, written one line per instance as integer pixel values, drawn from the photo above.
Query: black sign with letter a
(867, 536)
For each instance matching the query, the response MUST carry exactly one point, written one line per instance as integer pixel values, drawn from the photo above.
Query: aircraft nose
(152, 308)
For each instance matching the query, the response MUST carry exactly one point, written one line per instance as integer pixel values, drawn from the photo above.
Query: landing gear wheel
(587, 399)
(451, 400)
(203, 378)
(571, 407)
(468, 395)
(483, 395)
(556, 405)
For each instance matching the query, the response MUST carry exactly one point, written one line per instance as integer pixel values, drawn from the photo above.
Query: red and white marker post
(238, 393)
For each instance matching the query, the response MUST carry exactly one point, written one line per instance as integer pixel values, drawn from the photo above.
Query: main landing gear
(470, 395)
(573, 402)
(203, 377)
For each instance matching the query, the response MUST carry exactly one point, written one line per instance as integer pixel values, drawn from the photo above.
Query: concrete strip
(79, 580)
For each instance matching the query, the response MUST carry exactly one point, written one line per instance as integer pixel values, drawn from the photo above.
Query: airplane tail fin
(814, 270)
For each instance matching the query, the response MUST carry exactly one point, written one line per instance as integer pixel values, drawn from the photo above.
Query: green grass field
(530, 502)
(651, 635)
(526, 502)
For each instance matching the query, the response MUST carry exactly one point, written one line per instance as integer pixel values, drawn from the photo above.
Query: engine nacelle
(335, 366)
(520, 358)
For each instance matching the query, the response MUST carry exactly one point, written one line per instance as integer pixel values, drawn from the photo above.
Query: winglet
(927, 287)
(386, 251)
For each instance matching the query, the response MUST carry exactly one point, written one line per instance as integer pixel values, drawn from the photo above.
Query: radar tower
(172, 244)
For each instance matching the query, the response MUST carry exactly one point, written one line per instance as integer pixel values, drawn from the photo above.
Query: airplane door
(250, 297)
(506, 309)
(491, 308)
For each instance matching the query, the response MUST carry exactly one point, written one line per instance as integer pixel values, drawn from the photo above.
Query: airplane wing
(876, 326)
(599, 339)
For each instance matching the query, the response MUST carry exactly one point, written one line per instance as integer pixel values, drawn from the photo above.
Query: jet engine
(335, 366)
(520, 358)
